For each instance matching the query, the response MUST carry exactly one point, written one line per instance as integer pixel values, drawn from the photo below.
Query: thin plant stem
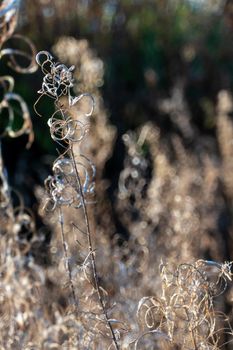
(192, 332)
(91, 250)
(67, 262)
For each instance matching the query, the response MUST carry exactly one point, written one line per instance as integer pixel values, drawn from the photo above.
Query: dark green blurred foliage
(147, 47)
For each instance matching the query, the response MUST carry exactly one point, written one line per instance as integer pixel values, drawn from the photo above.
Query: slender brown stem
(67, 262)
(192, 332)
(90, 247)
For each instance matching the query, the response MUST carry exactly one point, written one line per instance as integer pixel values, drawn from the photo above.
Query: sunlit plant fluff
(62, 187)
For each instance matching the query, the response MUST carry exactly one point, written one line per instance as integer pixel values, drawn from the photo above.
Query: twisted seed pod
(66, 128)
(26, 127)
(8, 9)
(63, 166)
(13, 53)
(217, 275)
(58, 79)
(62, 187)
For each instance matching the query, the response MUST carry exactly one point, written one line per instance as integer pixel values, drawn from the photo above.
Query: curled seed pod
(217, 275)
(48, 59)
(63, 188)
(187, 273)
(7, 84)
(63, 166)
(28, 55)
(76, 130)
(56, 124)
(26, 127)
(63, 128)
(150, 312)
(58, 79)
(57, 190)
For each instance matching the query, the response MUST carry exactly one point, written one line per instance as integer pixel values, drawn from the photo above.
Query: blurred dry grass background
(161, 138)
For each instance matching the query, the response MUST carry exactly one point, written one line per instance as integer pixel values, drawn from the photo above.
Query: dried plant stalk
(67, 187)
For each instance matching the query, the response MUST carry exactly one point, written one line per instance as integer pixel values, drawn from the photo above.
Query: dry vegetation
(159, 283)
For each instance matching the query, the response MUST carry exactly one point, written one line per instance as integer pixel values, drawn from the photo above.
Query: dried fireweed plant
(72, 184)
(188, 312)
(64, 305)
(186, 316)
